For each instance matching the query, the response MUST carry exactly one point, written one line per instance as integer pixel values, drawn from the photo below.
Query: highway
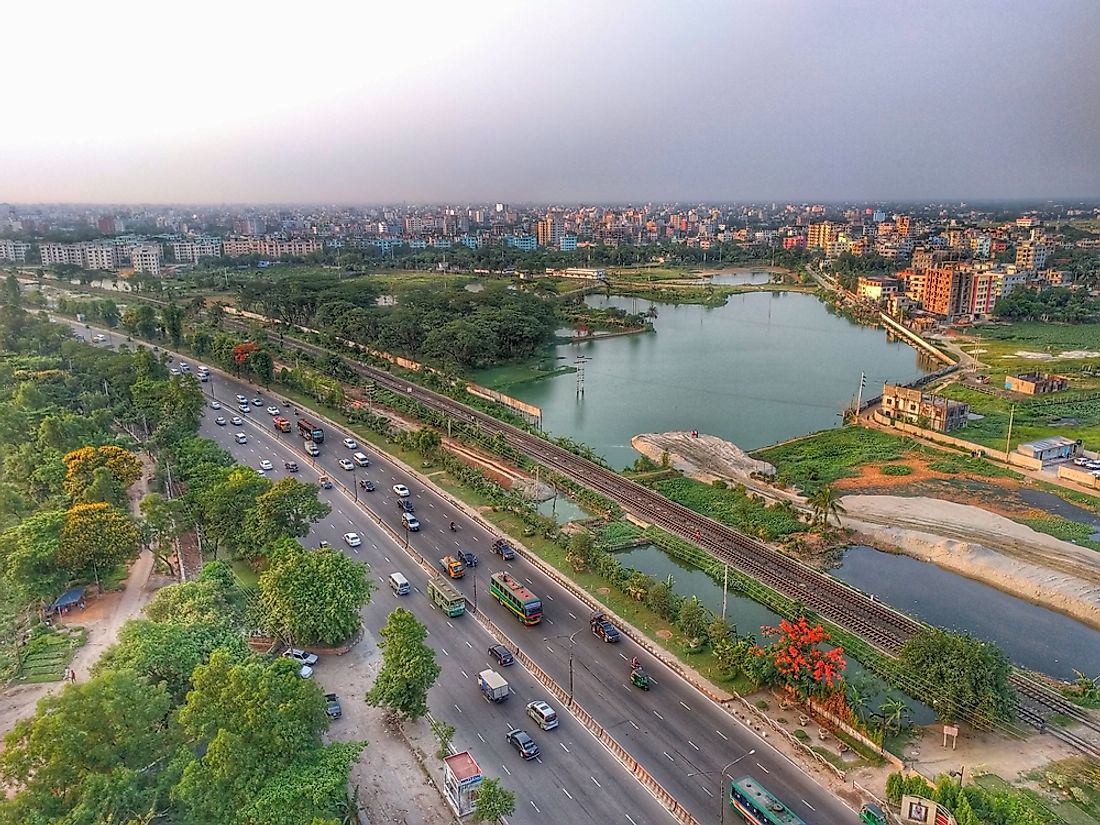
(680, 736)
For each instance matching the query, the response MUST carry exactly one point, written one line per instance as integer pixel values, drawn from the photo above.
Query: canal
(765, 367)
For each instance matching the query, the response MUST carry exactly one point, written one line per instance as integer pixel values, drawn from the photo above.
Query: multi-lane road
(681, 737)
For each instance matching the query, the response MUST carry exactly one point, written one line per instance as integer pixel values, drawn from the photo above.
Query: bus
(310, 431)
(446, 596)
(522, 602)
(758, 805)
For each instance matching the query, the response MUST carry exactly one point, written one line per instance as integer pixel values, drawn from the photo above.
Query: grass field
(829, 455)
(1071, 414)
(997, 345)
(733, 508)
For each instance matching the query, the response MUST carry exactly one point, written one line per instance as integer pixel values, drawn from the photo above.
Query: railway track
(852, 610)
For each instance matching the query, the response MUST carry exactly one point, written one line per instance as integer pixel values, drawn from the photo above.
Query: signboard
(916, 810)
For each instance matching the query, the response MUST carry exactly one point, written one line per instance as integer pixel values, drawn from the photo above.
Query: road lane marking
(598, 785)
(468, 645)
(482, 738)
(808, 805)
(633, 725)
(458, 708)
(722, 735)
(693, 744)
(623, 657)
(549, 649)
(765, 770)
(551, 621)
(551, 598)
(564, 748)
(566, 792)
(630, 818)
(670, 759)
(510, 773)
(571, 616)
(533, 805)
(655, 713)
(685, 706)
(450, 625)
(705, 788)
(463, 672)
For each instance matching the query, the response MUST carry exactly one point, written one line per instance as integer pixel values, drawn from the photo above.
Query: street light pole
(722, 782)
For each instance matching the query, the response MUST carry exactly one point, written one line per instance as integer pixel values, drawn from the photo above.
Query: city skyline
(805, 102)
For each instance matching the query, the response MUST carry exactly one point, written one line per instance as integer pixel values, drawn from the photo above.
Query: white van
(361, 459)
(241, 438)
(399, 584)
(312, 448)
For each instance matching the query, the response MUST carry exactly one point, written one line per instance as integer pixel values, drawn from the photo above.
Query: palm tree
(825, 505)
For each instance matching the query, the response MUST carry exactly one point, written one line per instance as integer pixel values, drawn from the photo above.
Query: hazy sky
(549, 101)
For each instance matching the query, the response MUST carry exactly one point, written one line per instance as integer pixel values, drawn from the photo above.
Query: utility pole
(725, 587)
(580, 361)
(1008, 439)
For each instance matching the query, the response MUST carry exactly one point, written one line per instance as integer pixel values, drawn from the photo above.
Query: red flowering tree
(242, 352)
(796, 660)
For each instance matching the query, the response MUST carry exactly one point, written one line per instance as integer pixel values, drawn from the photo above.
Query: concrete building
(524, 243)
(947, 291)
(1035, 383)
(549, 232)
(820, 235)
(271, 247)
(94, 256)
(14, 250)
(568, 243)
(1054, 448)
(932, 412)
(877, 287)
(1032, 255)
(146, 258)
(190, 251)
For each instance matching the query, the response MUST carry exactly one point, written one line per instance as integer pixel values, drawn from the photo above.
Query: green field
(734, 508)
(829, 455)
(997, 344)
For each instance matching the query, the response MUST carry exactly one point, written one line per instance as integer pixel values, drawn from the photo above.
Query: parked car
(332, 706)
(302, 657)
(215, 405)
(521, 740)
(305, 672)
(401, 490)
(502, 654)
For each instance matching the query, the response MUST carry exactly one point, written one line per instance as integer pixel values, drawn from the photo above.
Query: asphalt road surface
(682, 738)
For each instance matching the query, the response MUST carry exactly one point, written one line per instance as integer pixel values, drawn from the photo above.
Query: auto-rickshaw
(639, 678)
(871, 814)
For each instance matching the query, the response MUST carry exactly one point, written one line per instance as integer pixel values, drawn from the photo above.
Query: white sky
(567, 100)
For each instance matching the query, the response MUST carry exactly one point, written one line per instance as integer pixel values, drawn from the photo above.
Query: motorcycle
(454, 527)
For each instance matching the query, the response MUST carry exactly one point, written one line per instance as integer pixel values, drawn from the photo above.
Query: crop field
(1070, 414)
(830, 455)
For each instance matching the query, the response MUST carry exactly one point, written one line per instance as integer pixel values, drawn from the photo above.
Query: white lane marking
(352, 523)
(564, 791)
(564, 748)
(549, 649)
(356, 549)
(450, 625)
(551, 598)
(685, 706)
(705, 788)
(509, 773)
(571, 616)
(533, 805)
(655, 713)
(598, 785)
(482, 738)
(429, 504)
(387, 558)
(622, 656)
(463, 672)
(630, 818)
(468, 645)
(633, 725)
(808, 805)
(458, 708)
(670, 759)
(722, 735)
(765, 770)
(375, 546)
(551, 621)
(693, 744)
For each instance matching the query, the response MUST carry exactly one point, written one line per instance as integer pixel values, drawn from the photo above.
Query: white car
(352, 539)
(345, 464)
(220, 421)
(305, 672)
(273, 410)
(351, 443)
(266, 465)
(241, 399)
(401, 490)
(302, 657)
(99, 338)
(237, 420)
(1081, 461)
(215, 405)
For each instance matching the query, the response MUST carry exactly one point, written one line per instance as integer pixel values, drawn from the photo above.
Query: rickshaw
(872, 814)
(639, 678)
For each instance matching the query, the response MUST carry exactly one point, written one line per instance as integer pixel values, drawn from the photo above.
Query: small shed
(1050, 449)
(462, 780)
(64, 602)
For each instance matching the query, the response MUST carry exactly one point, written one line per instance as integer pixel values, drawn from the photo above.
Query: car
(305, 672)
(241, 399)
(361, 459)
(257, 402)
(401, 490)
(241, 438)
(345, 464)
(272, 410)
(406, 506)
(322, 544)
(1095, 474)
(291, 466)
(265, 464)
(1081, 461)
(351, 443)
(352, 539)
(504, 549)
(1093, 465)
(410, 521)
(302, 657)
(604, 629)
(220, 420)
(468, 558)
(244, 408)
(368, 485)
(99, 338)
(237, 420)
(204, 377)
(312, 448)
(174, 371)
(325, 482)
(521, 740)
(502, 654)
(332, 706)
(543, 714)
(215, 405)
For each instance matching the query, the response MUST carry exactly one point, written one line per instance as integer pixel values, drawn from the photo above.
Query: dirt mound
(701, 455)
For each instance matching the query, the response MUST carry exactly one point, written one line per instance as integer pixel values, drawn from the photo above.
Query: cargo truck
(493, 687)
(281, 424)
(453, 567)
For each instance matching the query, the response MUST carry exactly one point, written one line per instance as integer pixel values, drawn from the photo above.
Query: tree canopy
(408, 669)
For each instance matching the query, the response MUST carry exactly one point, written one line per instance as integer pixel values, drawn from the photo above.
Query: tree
(97, 536)
(963, 677)
(796, 661)
(87, 746)
(288, 508)
(693, 619)
(263, 366)
(427, 441)
(408, 669)
(445, 733)
(28, 557)
(244, 722)
(313, 789)
(312, 596)
(824, 504)
(223, 505)
(204, 601)
(171, 317)
(964, 814)
(80, 466)
(493, 801)
(103, 487)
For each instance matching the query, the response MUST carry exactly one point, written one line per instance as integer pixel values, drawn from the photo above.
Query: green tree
(206, 600)
(964, 678)
(824, 504)
(223, 505)
(964, 814)
(12, 294)
(427, 441)
(29, 566)
(263, 367)
(95, 537)
(104, 487)
(445, 733)
(693, 619)
(171, 317)
(312, 789)
(493, 801)
(289, 508)
(86, 747)
(312, 596)
(408, 669)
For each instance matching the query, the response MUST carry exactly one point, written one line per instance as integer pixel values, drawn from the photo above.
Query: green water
(763, 368)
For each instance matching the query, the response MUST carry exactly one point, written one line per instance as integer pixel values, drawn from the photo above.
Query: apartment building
(190, 251)
(1032, 254)
(932, 412)
(877, 288)
(549, 232)
(93, 256)
(820, 235)
(14, 250)
(146, 258)
(270, 247)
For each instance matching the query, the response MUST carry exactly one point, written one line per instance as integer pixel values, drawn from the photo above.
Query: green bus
(756, 804)
(526, 606)
(446, 596)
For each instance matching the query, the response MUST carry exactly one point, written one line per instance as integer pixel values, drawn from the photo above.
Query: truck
(281, 424)
(310, 431)
(504, 549)
(455, 568)
(493, 687)
(446, 597)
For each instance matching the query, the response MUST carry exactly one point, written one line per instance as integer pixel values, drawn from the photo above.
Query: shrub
(896, 470)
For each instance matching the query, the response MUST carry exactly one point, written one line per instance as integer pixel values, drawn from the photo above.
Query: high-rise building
(901, 224)
(1032, 254)
(549, 231)
(820, 235)
(947, 291)
(146, 258)
(14, 250)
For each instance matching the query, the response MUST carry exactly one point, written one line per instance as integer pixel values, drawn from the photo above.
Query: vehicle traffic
(524, 605)
(521, 740)
(502, 654)
(756, 804)
(352, 539)
(603, 628)
(401, 490)
(455, 568)
(544, 715)
(493, 686)
(310, 431)
(504, 549)
(446, 597)
(281, 424)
